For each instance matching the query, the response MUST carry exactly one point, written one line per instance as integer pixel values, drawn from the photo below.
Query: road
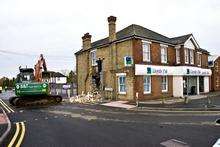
(92, 125)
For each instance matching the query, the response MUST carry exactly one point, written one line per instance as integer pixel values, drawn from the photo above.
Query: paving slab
(119, 104)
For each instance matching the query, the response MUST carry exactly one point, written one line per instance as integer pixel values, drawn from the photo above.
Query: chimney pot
(112, 19)
(86, 41)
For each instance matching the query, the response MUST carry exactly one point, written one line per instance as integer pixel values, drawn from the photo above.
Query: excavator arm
(39, 67)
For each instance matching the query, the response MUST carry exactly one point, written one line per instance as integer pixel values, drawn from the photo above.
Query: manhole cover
(174, 143)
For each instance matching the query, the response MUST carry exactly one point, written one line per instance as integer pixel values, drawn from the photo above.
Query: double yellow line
(18, 136)
(7, 108)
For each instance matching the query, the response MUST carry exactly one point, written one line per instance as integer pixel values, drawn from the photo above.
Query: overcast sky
(55, 27)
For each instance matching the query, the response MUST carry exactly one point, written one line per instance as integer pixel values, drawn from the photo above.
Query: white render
(188, 44)
(206, 84)
(177, 86)
(141, 69)
(61, 80)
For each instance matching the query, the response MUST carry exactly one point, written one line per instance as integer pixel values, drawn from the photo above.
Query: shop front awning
(141, 69)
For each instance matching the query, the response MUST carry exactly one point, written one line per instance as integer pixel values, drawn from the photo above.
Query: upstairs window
(191, 56)
(163, 54)
(93, 57)
(186, 53)
(199, 59)
(177, 56)
(146, 51)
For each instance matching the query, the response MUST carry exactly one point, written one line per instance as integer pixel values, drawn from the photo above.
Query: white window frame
(147, 84)
(186, 55)
(146, 51)
(177, 55)
(191, 56)
(199, 58)
(163, 52)
(119, 84)
(162, 83)
(93, 57)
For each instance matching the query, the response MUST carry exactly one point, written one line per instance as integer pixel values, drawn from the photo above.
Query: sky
(55, 27)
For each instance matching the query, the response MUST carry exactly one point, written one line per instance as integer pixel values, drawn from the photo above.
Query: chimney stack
(112, 28)
(86, 41)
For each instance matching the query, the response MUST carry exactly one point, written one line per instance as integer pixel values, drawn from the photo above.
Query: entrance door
(201, 84)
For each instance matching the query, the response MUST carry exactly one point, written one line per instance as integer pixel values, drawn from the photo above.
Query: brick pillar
(112, 51)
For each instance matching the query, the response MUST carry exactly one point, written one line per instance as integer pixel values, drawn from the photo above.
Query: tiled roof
(180, 39)
(139, 31)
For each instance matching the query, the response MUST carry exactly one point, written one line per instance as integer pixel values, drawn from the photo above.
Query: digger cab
(25, 75)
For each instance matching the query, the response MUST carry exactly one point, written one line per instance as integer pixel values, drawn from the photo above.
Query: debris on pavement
(93, 97)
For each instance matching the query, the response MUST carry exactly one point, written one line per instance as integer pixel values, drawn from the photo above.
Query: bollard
(137, 100)
(163, 100)
(68, 93)
(208, 100)
(186, 100)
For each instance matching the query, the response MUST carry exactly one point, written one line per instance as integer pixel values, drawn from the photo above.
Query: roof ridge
(151, 31)
(181, 36)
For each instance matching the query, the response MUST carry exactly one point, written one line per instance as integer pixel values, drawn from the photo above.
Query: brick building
(138, 60)
(214, 64)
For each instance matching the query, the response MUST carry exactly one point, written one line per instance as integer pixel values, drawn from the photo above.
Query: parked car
(217, 144)
(0, 89)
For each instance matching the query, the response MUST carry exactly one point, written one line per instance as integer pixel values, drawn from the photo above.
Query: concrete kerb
(159, 109)
(5, 134)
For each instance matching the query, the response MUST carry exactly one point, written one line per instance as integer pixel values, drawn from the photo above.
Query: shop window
(93, 57)
(146, 51)
(177, 56)
(191, 55)
(147, 84)
(186, 53)
(121, 84)
(164, 83)
(163, 55)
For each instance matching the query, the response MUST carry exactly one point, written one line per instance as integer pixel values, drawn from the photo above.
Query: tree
(71, 78)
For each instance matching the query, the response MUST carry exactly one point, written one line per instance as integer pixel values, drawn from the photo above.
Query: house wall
(215, 78)
(84, 67)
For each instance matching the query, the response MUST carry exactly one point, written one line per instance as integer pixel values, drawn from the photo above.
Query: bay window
(191, 56)
(186, 53)
(177, 56)
(199, 59)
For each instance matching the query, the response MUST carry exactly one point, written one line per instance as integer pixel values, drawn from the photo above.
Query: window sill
(147, 93)
(164, 91)
(122, 93)
(147, 61)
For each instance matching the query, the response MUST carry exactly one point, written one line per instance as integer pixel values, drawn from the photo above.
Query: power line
(34, 55)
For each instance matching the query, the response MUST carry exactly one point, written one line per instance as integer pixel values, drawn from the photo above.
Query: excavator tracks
(35, 100)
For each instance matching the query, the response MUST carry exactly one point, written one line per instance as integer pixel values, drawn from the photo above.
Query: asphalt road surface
(93, 126)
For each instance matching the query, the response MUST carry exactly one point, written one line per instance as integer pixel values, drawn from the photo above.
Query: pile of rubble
(94, 97)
